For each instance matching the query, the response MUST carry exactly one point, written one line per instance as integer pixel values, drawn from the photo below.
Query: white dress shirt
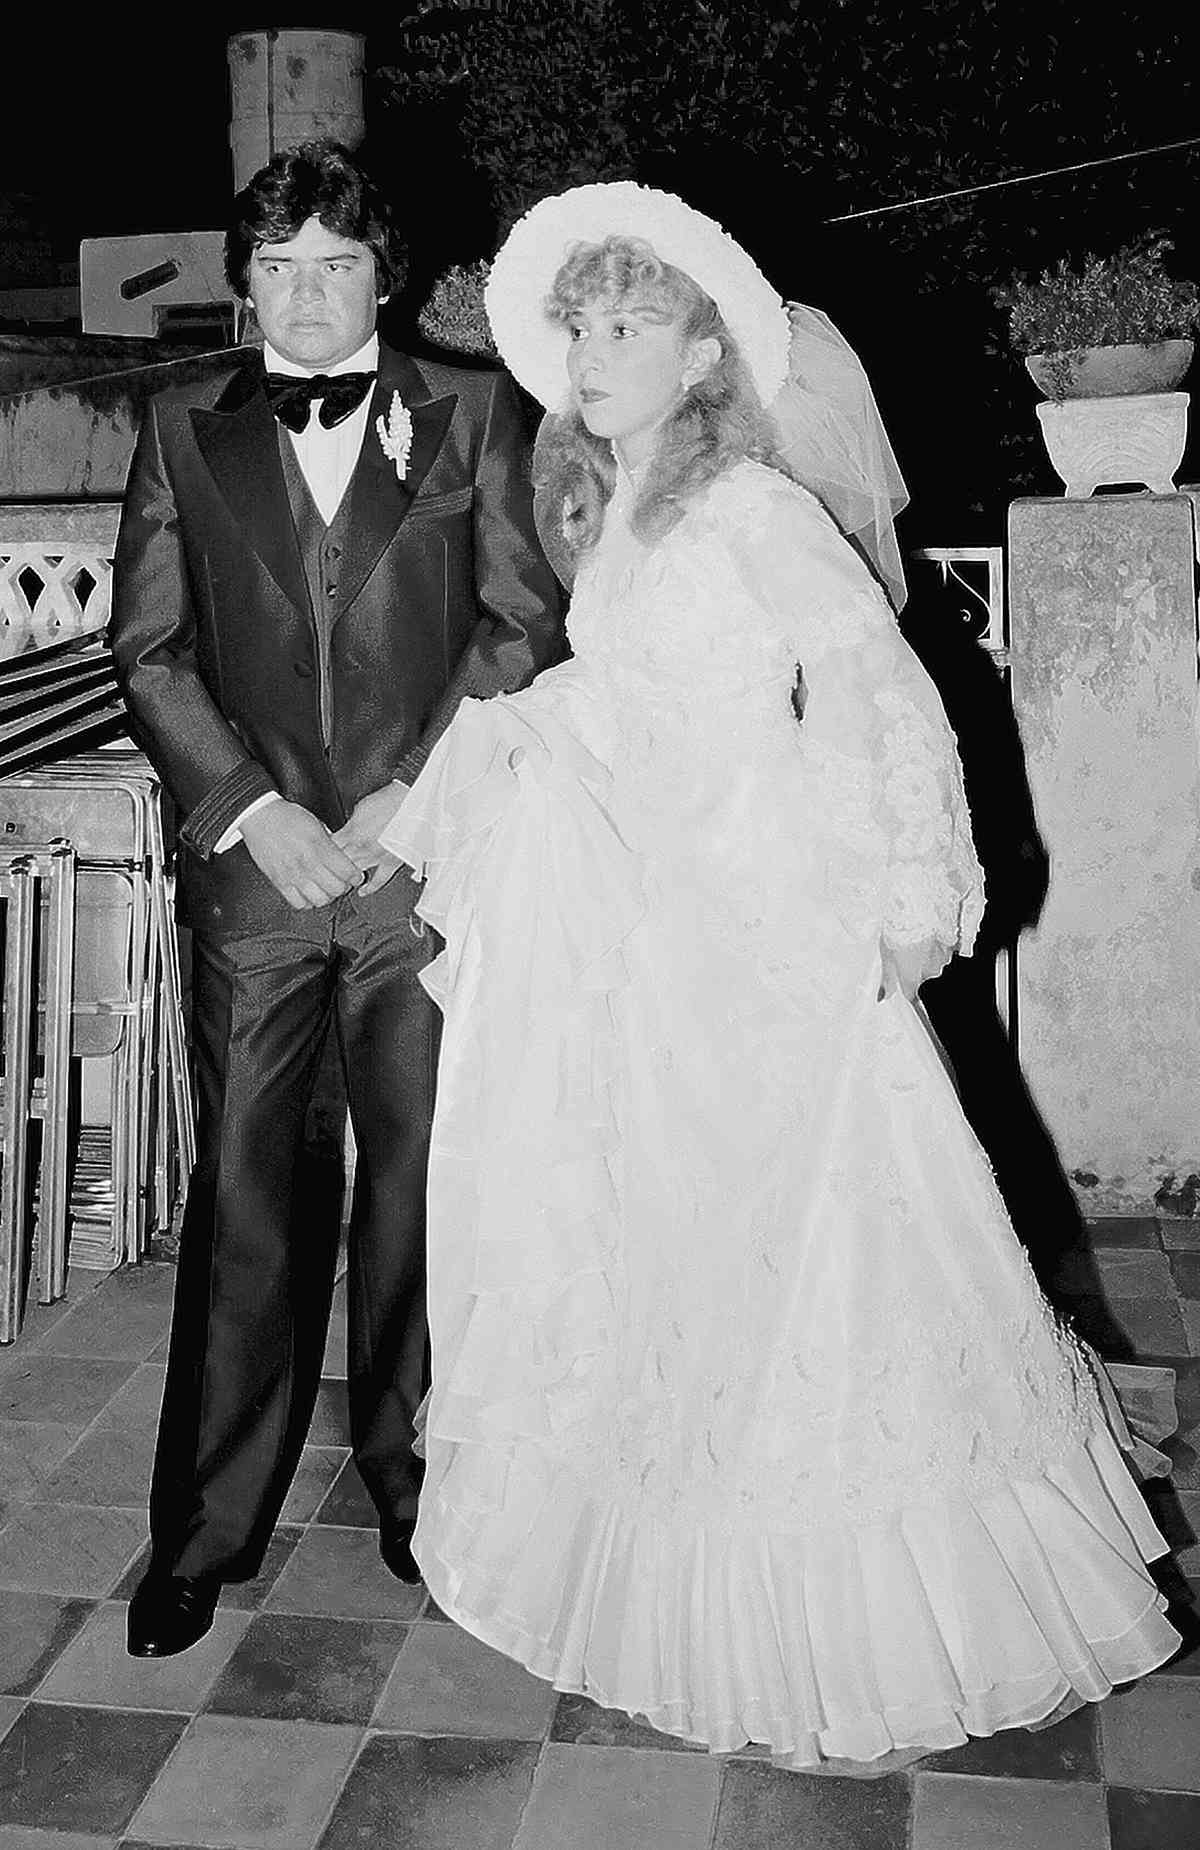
(327, 460)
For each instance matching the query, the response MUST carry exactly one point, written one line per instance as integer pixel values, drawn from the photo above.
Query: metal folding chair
(126, 1176)
(17, 889)
(38, 889)
(129, 1172)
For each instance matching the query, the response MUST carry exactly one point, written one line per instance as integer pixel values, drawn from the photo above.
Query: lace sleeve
(871, 714)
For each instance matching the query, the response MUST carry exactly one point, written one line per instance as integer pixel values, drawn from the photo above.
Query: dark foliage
(1103, 302)
(779, 118)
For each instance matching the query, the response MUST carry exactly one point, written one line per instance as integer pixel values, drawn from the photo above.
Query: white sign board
(123, 281)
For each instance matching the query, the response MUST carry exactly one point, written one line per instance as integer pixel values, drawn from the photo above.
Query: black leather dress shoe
(169, 1614)
(395, 1546)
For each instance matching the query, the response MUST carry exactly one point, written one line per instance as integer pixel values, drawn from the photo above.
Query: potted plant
(1116, 326)
(1107, 344)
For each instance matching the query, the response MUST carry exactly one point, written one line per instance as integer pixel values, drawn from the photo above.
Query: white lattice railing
(55, 572)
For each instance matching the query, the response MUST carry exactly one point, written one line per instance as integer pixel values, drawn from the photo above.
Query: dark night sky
(125, 126)
(112, 127)
(119, 127)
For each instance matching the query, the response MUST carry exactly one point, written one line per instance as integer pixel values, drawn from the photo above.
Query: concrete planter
(1103, 442)
(1112, 372)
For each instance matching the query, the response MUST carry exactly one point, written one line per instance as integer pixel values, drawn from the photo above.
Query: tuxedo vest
(322, 549)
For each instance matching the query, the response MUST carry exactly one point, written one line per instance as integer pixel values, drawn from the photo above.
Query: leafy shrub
(1125, 299)
(454, 315)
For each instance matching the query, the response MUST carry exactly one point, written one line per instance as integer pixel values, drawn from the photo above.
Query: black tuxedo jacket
(236, 686)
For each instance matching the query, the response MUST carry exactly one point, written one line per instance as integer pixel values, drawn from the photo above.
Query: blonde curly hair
(719, 421)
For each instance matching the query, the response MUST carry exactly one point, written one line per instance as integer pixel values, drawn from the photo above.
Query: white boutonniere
(396, 435)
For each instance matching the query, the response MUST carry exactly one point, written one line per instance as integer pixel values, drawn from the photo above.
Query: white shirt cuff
(233, 833)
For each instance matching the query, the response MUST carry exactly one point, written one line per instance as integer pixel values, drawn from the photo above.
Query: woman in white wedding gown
(747, 1414)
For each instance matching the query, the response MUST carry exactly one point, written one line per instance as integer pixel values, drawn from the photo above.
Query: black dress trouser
(256, 1265)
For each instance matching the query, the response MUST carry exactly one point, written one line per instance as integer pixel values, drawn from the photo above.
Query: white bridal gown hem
(814, 1651)
(747, 1415)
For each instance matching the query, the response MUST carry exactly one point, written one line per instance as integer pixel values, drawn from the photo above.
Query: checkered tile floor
(332, 1707)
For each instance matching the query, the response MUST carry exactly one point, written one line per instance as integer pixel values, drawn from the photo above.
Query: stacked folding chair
(90, 953)
(38, 960)
(126, 1003)
(56, 700)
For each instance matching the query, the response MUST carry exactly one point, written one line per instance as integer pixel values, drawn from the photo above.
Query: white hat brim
(534, 348)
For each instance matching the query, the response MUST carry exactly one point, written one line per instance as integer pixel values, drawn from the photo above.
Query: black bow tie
(291, 398)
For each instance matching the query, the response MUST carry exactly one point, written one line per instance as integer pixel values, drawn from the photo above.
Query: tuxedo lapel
(238, 440)
(379, 499)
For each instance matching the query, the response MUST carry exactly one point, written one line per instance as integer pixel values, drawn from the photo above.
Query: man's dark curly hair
(318, 179)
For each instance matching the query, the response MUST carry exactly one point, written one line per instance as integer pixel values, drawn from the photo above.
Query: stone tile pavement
(332, 1707)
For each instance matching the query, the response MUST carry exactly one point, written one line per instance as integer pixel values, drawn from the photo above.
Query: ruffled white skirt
(747, 1415)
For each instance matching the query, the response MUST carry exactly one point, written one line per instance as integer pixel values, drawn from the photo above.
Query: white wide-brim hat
(534, 348)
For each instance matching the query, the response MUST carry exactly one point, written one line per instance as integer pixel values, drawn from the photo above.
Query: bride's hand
(906, 966)
(359, 836)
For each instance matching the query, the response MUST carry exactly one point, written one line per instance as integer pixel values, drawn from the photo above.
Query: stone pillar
(291, 86)
(1104, 674)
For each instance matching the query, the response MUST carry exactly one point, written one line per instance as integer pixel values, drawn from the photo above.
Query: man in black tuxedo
(319, 557)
